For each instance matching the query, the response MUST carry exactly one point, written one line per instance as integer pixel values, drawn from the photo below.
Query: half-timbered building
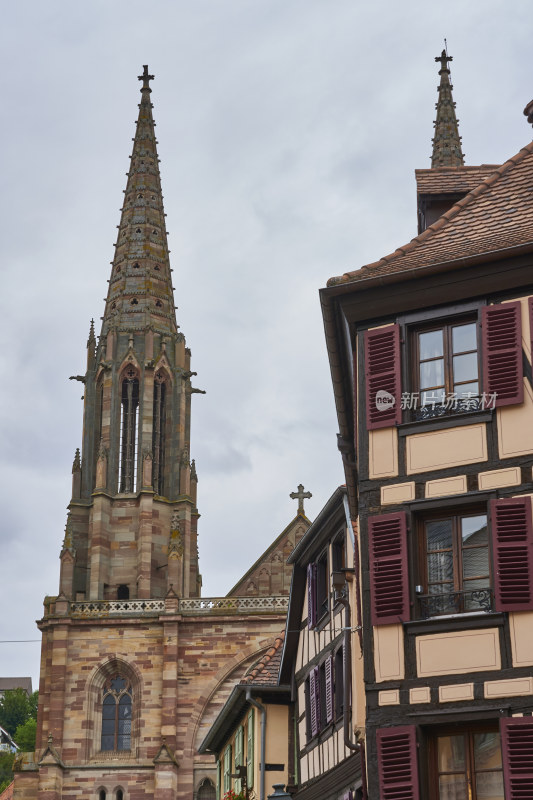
(430, 351)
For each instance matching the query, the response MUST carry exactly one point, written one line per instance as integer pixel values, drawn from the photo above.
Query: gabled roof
(15, 683)
(266, 671)
(494, 220)
(451, 180)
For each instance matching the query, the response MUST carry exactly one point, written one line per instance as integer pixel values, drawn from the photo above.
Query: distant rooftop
(15, 683)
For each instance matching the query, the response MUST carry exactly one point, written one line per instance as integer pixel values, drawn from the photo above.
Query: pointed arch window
(129, 423)
(159, 430)
(116, 715)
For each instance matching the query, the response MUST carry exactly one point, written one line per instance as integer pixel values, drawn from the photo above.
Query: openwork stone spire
(447, 151)
(140, 290)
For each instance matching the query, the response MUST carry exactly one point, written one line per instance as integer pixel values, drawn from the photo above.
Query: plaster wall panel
(398, 493)
(456, 692)
(451, 447)
(389, 697)
(515, 432)
(421, 694)
(498, 478)
(388, 652)
(457, 653)
(304, 768)
(446, 486)
(521, 629)
(515, 687)
(331, 752)
(383, 453)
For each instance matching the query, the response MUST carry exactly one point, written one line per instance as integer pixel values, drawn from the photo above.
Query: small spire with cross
(300, 495)
(145, 78)
(444, 58)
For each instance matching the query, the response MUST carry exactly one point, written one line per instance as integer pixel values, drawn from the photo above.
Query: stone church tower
(135, 665)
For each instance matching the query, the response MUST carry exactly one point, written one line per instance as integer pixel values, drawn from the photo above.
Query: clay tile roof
(442, 180)
(7, 794)
(266, 670)
(497, 215)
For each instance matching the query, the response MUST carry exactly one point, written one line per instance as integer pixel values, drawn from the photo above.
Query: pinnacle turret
(140, 290)
(447, 151)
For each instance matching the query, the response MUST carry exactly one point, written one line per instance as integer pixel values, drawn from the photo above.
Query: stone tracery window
(129, 422)
(158, 435)
(116, 714)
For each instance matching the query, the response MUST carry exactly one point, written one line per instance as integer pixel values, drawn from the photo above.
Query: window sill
(438, 423)
(466, 621)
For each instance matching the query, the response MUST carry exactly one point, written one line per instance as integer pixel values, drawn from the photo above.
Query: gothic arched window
(158, 436)
(116, 714)
(207, 790)
(129, 421)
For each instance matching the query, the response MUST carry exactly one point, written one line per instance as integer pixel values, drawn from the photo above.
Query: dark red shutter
(502, 353)
(311, 595)
(328, 670)
(398, 763)
(517, 756)
(314, 698)
(389, 585)
(382, 377)
(512, 546)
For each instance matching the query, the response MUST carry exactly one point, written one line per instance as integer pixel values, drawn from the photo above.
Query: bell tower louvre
(135, 664)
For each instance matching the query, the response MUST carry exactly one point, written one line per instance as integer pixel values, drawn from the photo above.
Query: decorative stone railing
(190, 606)
(117, 608)
(233, 605)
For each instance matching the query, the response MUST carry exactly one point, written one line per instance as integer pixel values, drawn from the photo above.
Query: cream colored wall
(277, 744)
(388, 653)
(515, 431)
(383, 453)
(457, 653)
(450, 447)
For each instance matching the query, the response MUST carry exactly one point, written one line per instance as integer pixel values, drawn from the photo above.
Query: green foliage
(16, 708)
(6, 768)
(25, 735)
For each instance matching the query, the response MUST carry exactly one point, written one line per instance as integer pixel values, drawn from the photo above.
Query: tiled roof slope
(495, 216)
(440, 180)
(266, 671)
(7, 794)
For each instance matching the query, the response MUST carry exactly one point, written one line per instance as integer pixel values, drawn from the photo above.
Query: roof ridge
(474, 193)
(266, 658)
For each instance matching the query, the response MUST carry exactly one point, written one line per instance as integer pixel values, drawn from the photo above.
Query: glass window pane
(475, 563)
(433, 397)
(108, 707)
(451, 753)
(452, 787)
(465, 390)
(440, 568)
(489, 786)
(487, 750)
(465, 367)
(431, 344)
(474, 529)
(438, 535)
(432, 373)
(118, 683)
(464, 337)
(108, 742)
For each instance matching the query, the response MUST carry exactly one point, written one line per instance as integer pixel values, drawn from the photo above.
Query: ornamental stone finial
(300, 495)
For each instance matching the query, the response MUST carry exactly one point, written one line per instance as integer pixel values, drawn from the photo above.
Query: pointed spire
(447, 151)
(91, 341)
(76, 464)
(140, 290)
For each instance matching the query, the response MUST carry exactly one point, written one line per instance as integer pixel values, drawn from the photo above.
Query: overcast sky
(289, 131)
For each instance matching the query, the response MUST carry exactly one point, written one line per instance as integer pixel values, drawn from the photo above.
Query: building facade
(431, 351)
(322, 660)
(135, 664)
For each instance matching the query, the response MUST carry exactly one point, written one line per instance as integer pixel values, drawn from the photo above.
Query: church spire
(447, 151)
(140, 292)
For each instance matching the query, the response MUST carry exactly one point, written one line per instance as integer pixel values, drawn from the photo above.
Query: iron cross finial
(300, 495)
(145, 78)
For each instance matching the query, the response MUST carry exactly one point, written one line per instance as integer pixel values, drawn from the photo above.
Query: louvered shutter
(517, 756)
(389, 585)
(512, 547)
(328, 671)
(314, 701)
(398, 763)
(382, 377)
(311, 595)
(239, 752)
(250, 750)
(502, 353)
